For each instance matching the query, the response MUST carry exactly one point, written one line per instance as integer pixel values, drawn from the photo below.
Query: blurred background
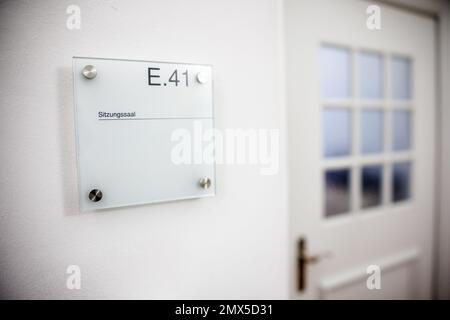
(365, 145)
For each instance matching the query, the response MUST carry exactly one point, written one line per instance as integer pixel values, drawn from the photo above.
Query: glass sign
(131, 117)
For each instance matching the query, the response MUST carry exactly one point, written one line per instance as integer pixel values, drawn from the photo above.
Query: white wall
(231, 246)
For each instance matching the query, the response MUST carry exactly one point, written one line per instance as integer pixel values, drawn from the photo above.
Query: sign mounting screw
(202, 77)
(205, 183)
(89, 72)
(95, 195)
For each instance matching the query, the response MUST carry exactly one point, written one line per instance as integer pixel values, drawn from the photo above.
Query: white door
(361, 106)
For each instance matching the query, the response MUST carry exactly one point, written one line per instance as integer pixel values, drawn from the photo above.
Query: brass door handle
(303, 260)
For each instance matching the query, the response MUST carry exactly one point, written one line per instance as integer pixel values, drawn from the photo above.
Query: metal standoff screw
(202, 77)
(205, 183)
(89, 72)
(95, 195)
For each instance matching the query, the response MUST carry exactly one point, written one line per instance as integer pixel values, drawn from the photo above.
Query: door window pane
(401, 131)
(370, 75)
(401, 78)
(371, 131)
(335, 72)
(336, 132)
(371, 185)
(337, 192)
(401, 181)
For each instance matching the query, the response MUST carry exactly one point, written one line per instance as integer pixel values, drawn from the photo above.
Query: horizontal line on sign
(187, 118)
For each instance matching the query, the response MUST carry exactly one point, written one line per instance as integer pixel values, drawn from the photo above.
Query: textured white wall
(231, 246)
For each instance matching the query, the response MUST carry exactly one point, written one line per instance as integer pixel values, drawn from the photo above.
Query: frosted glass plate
(125, 124)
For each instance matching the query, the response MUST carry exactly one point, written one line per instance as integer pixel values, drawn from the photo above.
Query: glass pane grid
(401, 181)
(371, 131)
(337, 191)
(371, 186)
(337, 131)
(401, 130)
(401, 77)
(370, 75)
(335, 71)
(378, 133)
